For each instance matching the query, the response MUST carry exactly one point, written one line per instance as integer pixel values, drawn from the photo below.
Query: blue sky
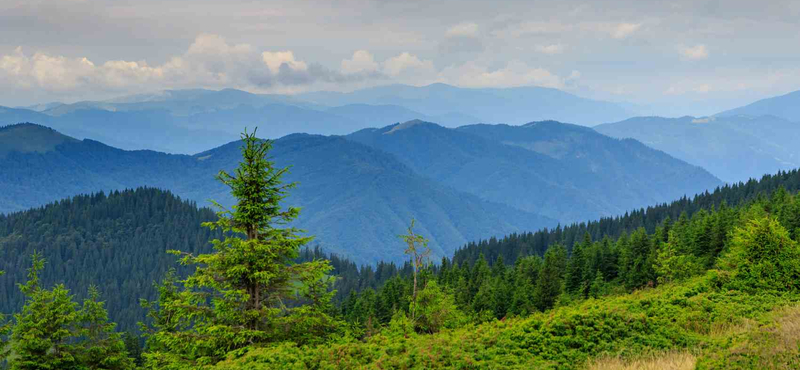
(677, 57)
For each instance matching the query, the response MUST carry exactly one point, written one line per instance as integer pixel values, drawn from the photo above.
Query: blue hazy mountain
(517, 105)
(189, 121)
(354, 198)
(784, 106)
(734, 148)
(566, 172)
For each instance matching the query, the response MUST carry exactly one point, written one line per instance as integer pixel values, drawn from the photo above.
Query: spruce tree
(551, 277)
(102, 347)
(42, 331)
(237, 296)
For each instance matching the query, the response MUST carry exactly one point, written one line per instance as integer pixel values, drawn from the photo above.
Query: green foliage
(42, 330)
(650, 320)
(671, 265)
(551, 277)
(436, 310)
(763, 257)
(238, 295)
(52, 333)
(101, 346)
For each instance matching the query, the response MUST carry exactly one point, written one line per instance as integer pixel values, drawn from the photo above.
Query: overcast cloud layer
(673, 58)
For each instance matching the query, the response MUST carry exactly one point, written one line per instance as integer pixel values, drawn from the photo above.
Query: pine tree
(551, 277)
(237, 295)
(102, 347)
(42, 331)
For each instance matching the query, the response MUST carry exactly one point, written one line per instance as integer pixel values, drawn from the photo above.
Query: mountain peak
(407, 125)
(29, 138)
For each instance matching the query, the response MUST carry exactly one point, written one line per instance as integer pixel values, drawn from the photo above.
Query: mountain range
(355, 199)
(359, 191)
(785, 106)
(189, 121)
(734, 148)
(566, 172)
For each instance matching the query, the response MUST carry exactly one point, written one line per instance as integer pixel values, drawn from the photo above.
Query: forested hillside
(718, 297)
(356, 196)
(714, 286)
(116, 241)
(562, 171)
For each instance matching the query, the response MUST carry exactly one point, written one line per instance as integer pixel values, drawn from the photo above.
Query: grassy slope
(694, 321)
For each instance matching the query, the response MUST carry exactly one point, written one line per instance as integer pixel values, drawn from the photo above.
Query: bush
(762, 257)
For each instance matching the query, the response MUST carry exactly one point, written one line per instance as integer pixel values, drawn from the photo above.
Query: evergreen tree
(42, 331)
(551, 278)
(101, 346)
(238, 295)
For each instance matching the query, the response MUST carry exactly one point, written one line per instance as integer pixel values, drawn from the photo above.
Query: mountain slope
(510, 105)
(734, 148)
(784, 106)
(355, 199)
(478, 160)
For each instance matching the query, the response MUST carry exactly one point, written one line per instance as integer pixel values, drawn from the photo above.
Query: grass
(673, 360)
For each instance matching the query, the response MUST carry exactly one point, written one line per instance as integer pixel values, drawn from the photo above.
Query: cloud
(515, 73)
(532, 28)
(623, 30)
(362, 61)
(551, 49)
(210, 61)
(697, 52)
(462, 30)
(405, 62)
(461, 38)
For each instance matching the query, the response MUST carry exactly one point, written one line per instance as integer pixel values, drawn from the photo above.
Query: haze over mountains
(189, 121)
(562, 171)
(356, 198)
(785, 106)
(735, 148)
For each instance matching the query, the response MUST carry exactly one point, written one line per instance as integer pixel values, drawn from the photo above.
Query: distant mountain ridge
(193, 120)
(355, 199)
(734, 148)
(515, 105)
(518, 166)
(785, 106)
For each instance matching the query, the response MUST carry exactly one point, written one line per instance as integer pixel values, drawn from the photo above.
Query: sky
(663, 57)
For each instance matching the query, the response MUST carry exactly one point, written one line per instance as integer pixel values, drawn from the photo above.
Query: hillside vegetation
(714, 288)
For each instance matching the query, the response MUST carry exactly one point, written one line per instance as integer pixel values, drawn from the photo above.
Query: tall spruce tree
(102, 347)
(40, 337)
(551, 277)
(240, 294)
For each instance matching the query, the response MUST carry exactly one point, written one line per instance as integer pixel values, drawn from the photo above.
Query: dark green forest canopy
(118, 242)
(536, 243)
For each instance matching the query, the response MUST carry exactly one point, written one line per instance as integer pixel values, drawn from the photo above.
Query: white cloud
(209, 61)
(405, 61)
(274, 61)
(551, 49)
(697, 52)
(623, 30)
(362, 61)
(462, 30)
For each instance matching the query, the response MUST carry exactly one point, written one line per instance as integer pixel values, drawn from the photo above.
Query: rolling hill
(566, 172)
(734, 148)
(355, 199)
